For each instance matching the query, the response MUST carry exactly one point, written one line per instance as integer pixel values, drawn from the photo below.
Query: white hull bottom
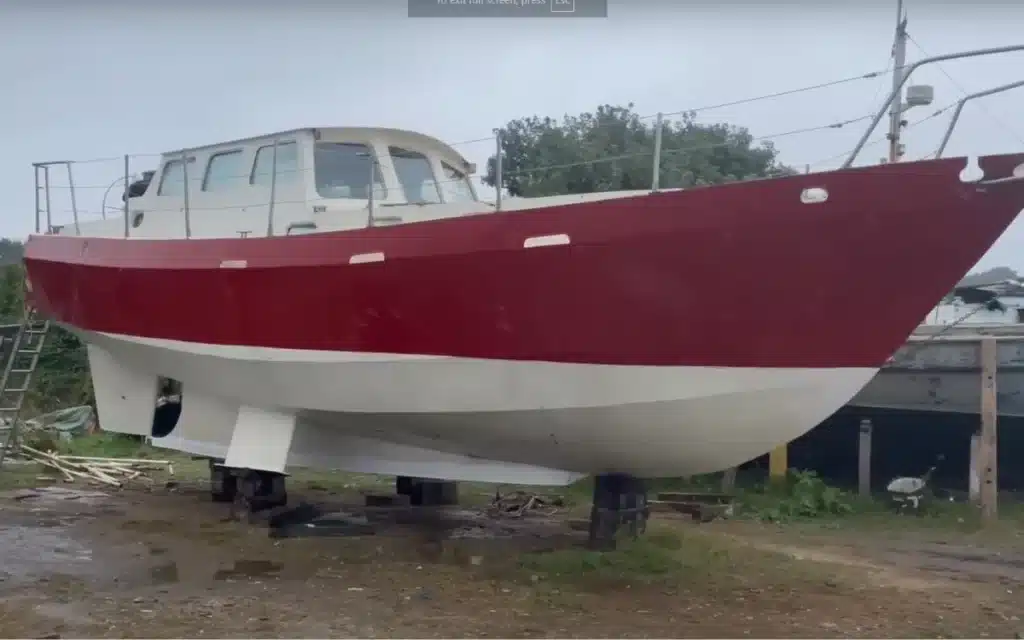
(459, 418)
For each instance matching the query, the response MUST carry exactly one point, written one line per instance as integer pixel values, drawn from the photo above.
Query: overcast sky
(100, 78)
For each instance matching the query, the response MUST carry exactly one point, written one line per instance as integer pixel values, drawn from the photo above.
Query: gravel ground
(165, 563)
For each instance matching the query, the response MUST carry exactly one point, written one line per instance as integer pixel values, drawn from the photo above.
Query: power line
(708, 107)
(881, 139)
(778, 94)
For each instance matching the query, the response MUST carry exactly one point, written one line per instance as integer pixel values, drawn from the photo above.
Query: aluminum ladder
(17, 377)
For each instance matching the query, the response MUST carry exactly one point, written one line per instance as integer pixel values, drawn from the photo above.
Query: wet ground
(168, 563)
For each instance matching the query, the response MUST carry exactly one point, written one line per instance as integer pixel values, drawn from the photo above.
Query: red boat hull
(742, 275)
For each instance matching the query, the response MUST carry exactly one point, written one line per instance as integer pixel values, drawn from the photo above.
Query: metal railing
(45, 167)
(960, 107)
(500, 174)
(898, 87)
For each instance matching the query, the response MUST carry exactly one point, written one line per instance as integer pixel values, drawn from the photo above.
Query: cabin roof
(420, 139)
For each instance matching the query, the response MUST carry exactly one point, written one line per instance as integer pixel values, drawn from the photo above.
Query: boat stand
(619, 506)
(426, 492)
(248, 490)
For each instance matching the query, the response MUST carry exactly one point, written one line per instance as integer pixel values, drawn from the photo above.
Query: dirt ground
(166, 562)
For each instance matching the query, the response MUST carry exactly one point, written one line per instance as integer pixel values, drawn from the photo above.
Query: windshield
(455, 185)
(342, 170)
(414, 175)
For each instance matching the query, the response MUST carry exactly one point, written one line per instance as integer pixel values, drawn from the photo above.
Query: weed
(803, 495)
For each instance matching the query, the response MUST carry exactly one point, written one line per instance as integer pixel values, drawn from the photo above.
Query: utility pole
(899, 54)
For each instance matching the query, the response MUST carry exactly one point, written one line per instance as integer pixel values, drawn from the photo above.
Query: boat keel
(125, 396)
(261, 440)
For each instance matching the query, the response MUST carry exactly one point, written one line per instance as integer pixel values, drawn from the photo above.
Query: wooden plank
(694, 496)
(988, 446)
(864, 458)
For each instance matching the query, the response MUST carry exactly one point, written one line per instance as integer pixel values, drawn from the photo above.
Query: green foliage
(11, 252)
(109, 445)
(804, 495)
(62, 377)
(613, 149)
(12, 293)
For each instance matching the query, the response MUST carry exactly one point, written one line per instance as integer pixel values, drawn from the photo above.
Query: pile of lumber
(518, 503)
(112, 472)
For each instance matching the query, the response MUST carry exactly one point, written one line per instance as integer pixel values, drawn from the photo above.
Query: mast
(899, 54)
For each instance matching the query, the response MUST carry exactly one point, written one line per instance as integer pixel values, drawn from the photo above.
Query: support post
(974, 472)
(778, 463)
(74, 201)
(127, 192)
(729, 480)
(273, 189)
(370, 201)
(988, 447)
(864, 458)
(620, 502)
(659, 126)
(499, 179)
(46, 196)
(35, 169)
(184, 180)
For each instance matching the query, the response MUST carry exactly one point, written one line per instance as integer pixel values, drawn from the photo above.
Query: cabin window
(224, 171)
(456, 185)
(287, 163)
(342, 170)
(414, 175)
(172, 180)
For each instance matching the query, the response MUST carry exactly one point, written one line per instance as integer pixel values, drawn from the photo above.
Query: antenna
(899, 55)
(917, 95)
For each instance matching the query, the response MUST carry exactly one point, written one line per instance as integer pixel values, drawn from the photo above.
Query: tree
(11, 251)
(613, 149)
(62, 374)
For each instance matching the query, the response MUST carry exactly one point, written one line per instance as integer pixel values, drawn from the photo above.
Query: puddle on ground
(249, 569)
(36, 551)
(56, 494)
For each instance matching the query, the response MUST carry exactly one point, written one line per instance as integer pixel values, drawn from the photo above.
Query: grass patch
(663, 554)
(108, 445)
(939, 519)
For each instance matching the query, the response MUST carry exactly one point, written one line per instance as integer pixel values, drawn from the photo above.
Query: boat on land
(342, 298)
(416, 330)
